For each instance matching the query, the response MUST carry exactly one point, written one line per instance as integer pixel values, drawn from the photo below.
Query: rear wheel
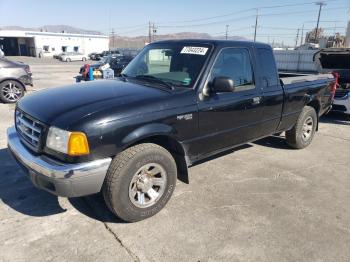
(301, 135)
(68, 60)
(11, 91)
(84, 59)
(139, 182)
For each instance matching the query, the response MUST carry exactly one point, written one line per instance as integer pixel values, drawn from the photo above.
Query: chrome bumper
(58, 178)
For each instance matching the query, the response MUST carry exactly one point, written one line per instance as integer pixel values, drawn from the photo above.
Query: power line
(244, 11)
(241, 18)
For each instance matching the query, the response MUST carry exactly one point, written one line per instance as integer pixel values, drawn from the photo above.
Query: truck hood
(80, 100)
(332, 59)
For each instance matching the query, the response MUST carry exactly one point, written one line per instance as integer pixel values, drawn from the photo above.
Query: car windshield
(173, 63)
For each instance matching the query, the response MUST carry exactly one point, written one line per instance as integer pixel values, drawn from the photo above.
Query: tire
(129, 176)
(68, 60)
(84, 59)
(301, 135)
(11, 91)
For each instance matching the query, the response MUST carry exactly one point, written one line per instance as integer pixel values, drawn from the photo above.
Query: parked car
(96, 56)
(14, 76)
(337, 60)
(111, 52)
(69, 57)
(59, 55)
(92, 56)
(177, 103)
(115, 63)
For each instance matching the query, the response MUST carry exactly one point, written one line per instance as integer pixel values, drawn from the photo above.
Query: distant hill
(53, 28)
(140, 41)
(119, 40)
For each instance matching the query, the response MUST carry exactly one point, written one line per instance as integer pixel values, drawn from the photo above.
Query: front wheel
(139, 182)
(11, 91)
(301, 135)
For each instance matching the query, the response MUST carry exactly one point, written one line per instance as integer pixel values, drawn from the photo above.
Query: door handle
(256, 100)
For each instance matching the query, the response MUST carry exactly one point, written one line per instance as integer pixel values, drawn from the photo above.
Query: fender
(14, 79)
(153, 130)
(149, 130)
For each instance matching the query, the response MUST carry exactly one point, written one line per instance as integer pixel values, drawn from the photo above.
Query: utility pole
(154, 31)
(226, 35)
(297, 38)
(256, 23)
(113, 46)
(149, 32)
(302, 35)
(318, 19)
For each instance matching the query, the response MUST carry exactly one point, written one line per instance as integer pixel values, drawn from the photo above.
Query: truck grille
(340, 93)
(30, 130)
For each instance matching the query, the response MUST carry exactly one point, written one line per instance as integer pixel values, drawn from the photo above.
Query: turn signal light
(78, 144)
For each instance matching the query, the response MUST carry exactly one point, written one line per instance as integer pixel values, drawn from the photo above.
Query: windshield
(174, 63)
(105, 59)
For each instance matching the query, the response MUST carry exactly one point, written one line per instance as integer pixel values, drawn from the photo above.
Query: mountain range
(119, 40)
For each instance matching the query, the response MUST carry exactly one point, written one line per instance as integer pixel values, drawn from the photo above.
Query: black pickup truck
(176, 103)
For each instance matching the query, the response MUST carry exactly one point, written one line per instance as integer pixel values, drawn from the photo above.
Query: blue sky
(130, 17)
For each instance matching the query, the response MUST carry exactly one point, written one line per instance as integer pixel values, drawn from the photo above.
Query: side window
(235, 63)
(268, 65)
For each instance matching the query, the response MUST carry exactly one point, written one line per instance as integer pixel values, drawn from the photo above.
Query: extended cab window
(235, 63)
(268, 65)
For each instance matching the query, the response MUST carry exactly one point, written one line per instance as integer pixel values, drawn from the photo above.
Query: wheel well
(315, 105)
(175, 149)
(15, 80)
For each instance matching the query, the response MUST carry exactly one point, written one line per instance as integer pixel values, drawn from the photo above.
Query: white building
(347, 37)
(30, 43)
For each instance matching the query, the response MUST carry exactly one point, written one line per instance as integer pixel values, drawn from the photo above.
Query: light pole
(226, 35)
(318, 18)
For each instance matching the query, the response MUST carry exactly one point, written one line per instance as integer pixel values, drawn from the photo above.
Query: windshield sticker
(194, 50)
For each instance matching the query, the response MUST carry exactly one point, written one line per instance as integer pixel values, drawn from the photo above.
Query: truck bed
(292, 78)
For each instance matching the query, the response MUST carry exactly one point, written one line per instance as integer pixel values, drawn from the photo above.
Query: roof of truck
(216, 42)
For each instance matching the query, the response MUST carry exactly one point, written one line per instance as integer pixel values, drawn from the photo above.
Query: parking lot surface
(260, 202)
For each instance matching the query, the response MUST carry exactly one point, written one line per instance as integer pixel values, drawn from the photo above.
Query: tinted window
(235, 63)
(267, 63)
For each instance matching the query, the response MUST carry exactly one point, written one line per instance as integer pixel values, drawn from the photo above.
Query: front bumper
(58, 178)
(27, 80)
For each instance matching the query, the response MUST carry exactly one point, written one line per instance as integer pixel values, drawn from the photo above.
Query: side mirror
(222, 84)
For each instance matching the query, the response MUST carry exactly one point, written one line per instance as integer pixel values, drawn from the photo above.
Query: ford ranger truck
(176, 103)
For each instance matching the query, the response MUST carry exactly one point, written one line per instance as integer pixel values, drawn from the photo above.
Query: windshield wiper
(123, 77)
(155, 80)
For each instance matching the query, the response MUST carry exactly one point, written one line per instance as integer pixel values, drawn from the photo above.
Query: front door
(228, 119)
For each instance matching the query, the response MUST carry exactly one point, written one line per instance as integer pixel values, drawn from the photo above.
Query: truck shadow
(95, 207)
(277, 142)
(17, 192)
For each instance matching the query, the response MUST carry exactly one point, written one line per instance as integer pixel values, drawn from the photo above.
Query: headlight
(70, 143)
